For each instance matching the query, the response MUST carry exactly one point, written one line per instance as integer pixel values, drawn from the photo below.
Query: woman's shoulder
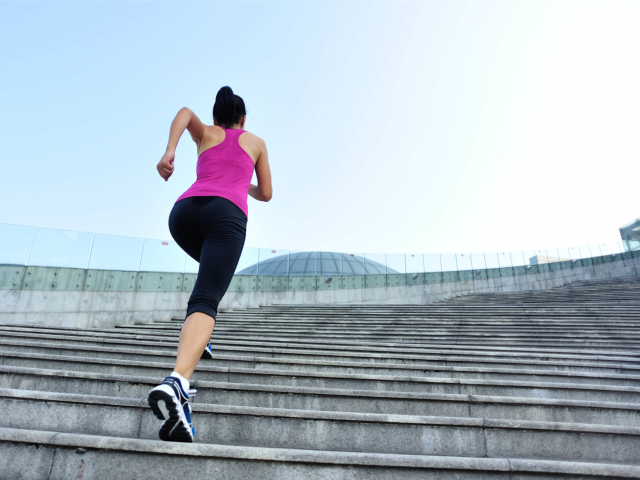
(214, 132)
(252, 144)
(211, 136)
(247, 134)
(247, 138)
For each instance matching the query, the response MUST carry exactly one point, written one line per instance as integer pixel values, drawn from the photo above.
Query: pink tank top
(224, 170)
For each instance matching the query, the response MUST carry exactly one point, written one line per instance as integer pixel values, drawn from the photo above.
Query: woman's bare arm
(263, 191)
(185, 119)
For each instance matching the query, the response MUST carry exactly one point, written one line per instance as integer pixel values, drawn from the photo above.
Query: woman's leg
(170, 400)
(184, 224)
(223, 226)
(194, 336)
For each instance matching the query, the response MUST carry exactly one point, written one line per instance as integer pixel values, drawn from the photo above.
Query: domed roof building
(316, 263)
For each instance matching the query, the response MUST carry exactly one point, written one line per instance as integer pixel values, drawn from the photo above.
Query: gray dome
(316, 263)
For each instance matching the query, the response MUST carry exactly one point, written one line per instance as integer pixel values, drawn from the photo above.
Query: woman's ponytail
(229, 108)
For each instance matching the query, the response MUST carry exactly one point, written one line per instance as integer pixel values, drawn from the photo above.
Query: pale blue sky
(450, 126)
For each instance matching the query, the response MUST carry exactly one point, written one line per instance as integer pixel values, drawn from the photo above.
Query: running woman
(209, 222)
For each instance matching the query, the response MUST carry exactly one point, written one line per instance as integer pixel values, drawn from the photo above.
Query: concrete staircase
(535, 385)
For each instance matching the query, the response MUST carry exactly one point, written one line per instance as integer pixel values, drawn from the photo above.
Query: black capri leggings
(212, 231)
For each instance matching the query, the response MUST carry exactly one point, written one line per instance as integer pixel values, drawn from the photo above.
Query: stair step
(321, 430)
(210, 371)
(61, 456)
(337, 365)
(136, 386)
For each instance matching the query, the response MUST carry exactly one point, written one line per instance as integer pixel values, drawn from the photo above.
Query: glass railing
(31, 246)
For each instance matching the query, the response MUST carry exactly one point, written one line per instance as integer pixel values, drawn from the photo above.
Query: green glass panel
(296, 283)
(38, 278)
(52, 278)
(544, 267)
(353, 281)
(506, 272)
(465, 275)
(433, 277)
(247, 283)
(174, 282)
(326, 282)
(520, 270)
(309, 283)
(566, 265)
(68, 279)
(148, 281)
(480, 274)
(374, 281)
(449, 277)
(554, 266)
(188, 281)
(110, 280)
(396, 280)
(11, 277)
(493, 273)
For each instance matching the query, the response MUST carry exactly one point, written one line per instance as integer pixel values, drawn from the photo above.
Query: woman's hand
(165, 165)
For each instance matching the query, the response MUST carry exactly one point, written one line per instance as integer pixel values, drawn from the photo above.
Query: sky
(398, 126)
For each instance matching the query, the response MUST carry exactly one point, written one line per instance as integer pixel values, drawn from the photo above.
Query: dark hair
(229, 108)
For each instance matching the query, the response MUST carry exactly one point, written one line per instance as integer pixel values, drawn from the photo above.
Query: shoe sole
(173, 429)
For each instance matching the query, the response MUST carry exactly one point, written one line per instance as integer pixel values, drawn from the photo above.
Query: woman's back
(224, 167)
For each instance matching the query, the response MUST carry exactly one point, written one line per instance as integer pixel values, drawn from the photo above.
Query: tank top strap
(233, 132)
(233, 135)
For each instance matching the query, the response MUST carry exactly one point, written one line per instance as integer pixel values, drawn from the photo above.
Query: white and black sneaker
(208, 354)
(170, 403)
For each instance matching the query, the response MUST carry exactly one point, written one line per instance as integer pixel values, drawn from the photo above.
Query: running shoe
(208, 354)
(170, 403)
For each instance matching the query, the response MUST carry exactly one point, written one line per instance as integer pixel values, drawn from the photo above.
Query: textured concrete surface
(131, 385)
(313, 429)
(542, 384)
(30, 454)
